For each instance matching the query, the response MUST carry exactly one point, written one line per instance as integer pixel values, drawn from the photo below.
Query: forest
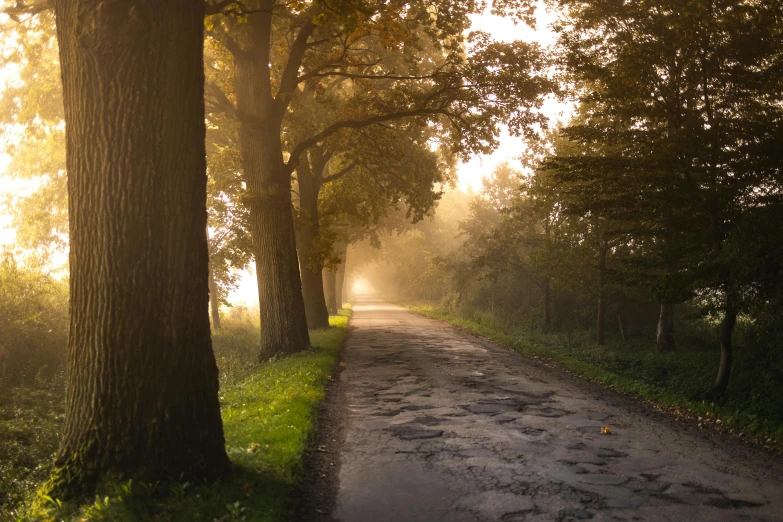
(153, 152)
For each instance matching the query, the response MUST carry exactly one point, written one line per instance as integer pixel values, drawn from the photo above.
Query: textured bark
(601, 315)
(283, 319)
(214, 304)
(726, 356)
(664, 334)
(330, 287)
(142, 394)
(307, 235)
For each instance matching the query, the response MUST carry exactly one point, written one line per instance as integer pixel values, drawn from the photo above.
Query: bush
(33, 324)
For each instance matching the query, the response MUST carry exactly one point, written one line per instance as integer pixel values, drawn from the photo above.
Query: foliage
(33, 333)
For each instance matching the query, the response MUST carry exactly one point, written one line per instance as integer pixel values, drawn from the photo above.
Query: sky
(504, 29)
(469, 174)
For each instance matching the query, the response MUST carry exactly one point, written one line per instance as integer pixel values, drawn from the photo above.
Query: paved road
(442, 426)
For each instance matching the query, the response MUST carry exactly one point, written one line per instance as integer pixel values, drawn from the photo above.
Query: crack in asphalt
(441, 426)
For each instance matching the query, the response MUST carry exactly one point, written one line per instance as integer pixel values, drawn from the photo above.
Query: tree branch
(340, 174)
(219, 100)
(288, 80)
(21, 9)
(300, 148)
(213, 8)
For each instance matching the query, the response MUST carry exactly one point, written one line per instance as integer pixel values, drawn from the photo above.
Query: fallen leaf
(605, 430)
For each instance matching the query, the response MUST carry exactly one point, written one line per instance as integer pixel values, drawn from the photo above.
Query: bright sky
(503, 29)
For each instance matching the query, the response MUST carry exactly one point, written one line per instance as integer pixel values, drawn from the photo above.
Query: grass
(674, 381)
(30, 418)
(269, 418)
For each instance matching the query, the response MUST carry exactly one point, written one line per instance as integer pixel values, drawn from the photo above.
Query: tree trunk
(726, 330)
(664, 335)
(283, 319)
(621, 325)
(142, 393)
(601, 315)
(339, 281)
(308, 233)
(214, 304)
(330, 287)
(547, 305)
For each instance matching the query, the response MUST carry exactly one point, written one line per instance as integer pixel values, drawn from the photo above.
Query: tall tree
(142, 395)
(693, 90)
(277, 47)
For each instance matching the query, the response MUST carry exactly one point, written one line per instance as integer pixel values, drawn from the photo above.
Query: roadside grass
(673, 381)
(269, 417)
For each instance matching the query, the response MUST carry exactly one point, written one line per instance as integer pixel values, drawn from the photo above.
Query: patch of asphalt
(432, 424)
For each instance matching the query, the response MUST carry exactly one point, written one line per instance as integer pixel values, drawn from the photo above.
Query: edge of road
(321, 462)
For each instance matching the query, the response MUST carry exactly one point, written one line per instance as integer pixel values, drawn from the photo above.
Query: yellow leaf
(606, 430)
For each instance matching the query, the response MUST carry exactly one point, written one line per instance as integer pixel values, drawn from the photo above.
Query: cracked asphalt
(438, 425)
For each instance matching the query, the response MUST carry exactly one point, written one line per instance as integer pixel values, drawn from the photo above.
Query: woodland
(158, 149)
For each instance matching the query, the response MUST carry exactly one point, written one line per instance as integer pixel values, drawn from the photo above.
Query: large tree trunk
(664, 335)
(726, 330)
(601, 315)
(214, 303)
(283, 319)
(308, 234)
(142, 394)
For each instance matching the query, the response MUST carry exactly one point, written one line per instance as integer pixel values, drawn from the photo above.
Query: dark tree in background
(142, 379)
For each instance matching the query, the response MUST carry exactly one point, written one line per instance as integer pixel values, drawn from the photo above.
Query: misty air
(391, 261)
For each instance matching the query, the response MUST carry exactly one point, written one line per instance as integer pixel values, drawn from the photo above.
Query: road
(438, 425)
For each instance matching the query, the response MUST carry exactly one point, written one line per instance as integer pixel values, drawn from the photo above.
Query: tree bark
(601, 315)
(307, 236)
(330, 288)
(282, 310)
(214, 304)
(664, 335)
(726, 356)
(142, 394)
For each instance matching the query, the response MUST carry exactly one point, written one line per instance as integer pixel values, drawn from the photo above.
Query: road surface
(438, 425)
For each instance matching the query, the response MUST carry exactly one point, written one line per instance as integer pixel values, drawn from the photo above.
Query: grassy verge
(674, 381)
(268, 418)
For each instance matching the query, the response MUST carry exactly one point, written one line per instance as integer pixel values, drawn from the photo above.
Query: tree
(31, 116)
(693, 90)
(142, 395)
(376, 170)
(278, 47)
